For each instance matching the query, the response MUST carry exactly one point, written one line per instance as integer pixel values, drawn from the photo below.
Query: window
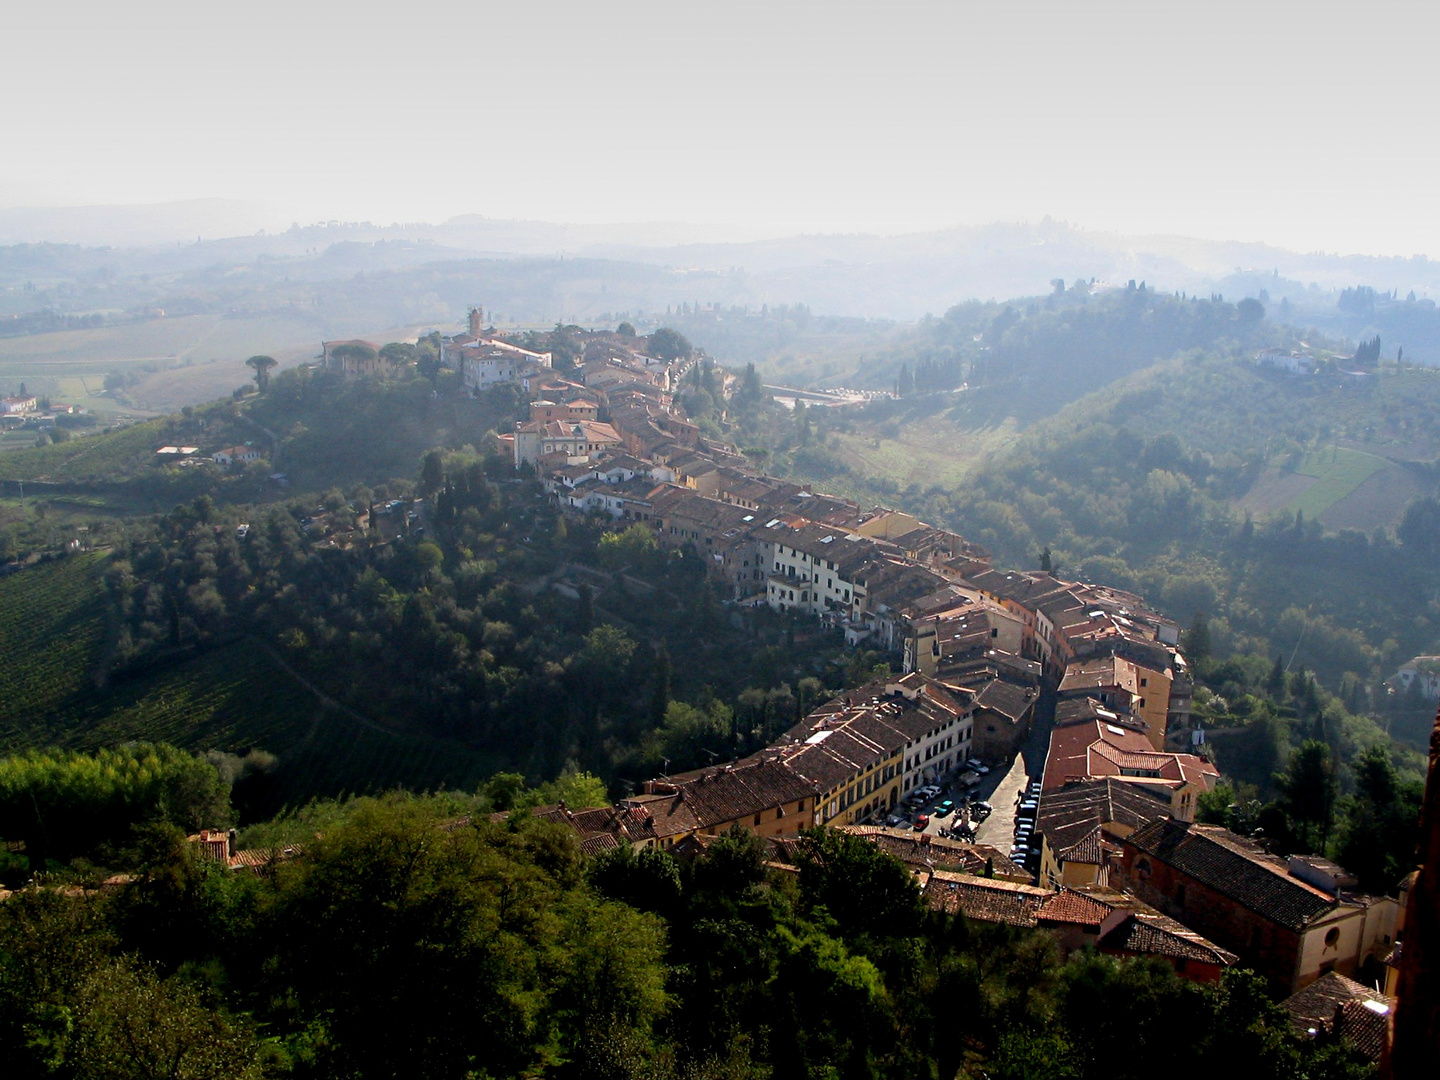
(1332, 937)
(801, 806)
(1142, 869)
(757, 819)
(1180, 895)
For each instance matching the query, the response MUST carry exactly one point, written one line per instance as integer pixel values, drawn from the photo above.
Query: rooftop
(1315, 1008)
(1069, 815)
(1234, 867)
(985, 899)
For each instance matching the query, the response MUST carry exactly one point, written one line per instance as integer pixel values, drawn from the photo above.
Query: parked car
(894, 819)
(921, 820)
(982, 808)
(945, 809)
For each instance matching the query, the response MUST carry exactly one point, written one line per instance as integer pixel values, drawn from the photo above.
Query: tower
(477, 321)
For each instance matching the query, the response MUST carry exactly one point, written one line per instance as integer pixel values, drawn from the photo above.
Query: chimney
(230, 844)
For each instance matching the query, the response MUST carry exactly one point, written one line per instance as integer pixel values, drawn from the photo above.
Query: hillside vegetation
(417, 937)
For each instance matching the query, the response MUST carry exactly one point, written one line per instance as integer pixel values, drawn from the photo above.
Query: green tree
(868, 893)
(1308, 789)
(398, 355)
(1197, 638)
(632, 547)
(262, 366)
(1419, 529)
(432, 471)
(1379, 834)
(62, 803)
(660, 687)
(130, 1025)
(668, 344)
(420, 949)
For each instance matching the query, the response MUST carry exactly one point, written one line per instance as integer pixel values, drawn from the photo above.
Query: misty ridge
(120, 262)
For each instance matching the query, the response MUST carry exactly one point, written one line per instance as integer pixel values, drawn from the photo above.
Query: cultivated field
(1337, 472)
(52, 629)
(1343, 487)
(173, 362)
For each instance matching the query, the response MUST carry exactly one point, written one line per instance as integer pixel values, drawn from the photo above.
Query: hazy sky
(1308, 125)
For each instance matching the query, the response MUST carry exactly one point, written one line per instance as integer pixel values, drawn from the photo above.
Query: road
(1001, 787)
(999, 828)
(1003, 782)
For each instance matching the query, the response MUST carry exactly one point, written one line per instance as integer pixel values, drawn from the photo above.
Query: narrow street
(999, 827)
(1029, 764)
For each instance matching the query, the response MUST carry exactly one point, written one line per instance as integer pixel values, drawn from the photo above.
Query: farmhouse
(231, 455)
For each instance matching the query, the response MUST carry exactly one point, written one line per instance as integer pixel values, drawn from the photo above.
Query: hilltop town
(1065, 703)
(909, 746)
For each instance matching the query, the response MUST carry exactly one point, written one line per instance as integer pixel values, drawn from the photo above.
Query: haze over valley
(720, 542)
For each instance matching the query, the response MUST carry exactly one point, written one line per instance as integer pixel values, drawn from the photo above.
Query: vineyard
(237, 697)
(52, 630)
(233, 698)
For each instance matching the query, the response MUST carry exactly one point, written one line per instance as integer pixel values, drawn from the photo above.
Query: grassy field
(1343, 487)
(934, 450)
(1337, 472)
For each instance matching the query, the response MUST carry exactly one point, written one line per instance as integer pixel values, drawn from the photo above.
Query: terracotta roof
(1006, 698)
(1084, 676)
(1316, 1006)
(1068, 906)
(1082, 709)
(731, 792)
(1365, 1025)
(866, 726)
(1095, 748)
(1071, 816)
(1233, 867)
(985, 899)
(1150, 933)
